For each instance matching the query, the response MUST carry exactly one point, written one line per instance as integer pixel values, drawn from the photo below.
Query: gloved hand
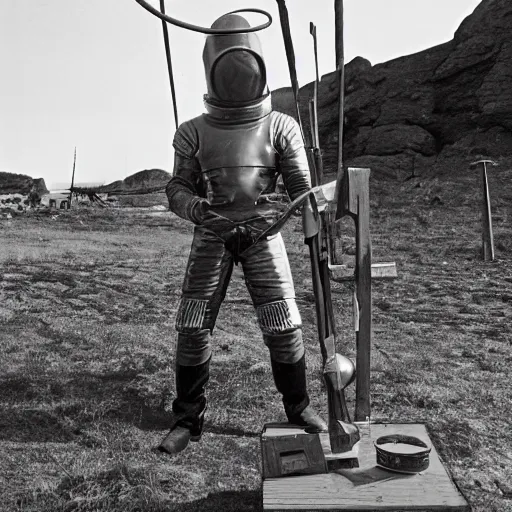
(198, 210)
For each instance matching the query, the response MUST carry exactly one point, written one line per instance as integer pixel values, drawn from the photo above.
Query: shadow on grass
(33, 425)
(227, 501)
(82, 398)
(76, 399)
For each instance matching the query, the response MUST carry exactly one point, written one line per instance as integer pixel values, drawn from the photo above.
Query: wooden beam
(381, 270)
(359, 205)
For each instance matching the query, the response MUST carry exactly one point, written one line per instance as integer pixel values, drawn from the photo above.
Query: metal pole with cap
(487, 234)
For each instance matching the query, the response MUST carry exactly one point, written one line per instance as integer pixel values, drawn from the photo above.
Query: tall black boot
(188, 408)
(290, 380)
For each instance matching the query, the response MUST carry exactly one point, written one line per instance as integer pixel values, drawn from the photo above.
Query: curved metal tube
(207, 30)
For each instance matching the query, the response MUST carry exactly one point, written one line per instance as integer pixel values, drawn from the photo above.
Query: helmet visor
(238, 76)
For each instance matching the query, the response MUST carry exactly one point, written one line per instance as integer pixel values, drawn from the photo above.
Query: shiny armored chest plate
(238, 161)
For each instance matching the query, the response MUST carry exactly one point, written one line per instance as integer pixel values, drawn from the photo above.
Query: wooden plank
(381, 270)
(359, 205)
(384, 270)
(369, 488)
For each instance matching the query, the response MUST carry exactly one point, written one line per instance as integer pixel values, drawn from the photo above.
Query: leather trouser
(269, 282)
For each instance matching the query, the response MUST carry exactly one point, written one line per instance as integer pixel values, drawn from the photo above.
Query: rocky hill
(444, 106)
(142, 189)
(12, 183)
(142, 182)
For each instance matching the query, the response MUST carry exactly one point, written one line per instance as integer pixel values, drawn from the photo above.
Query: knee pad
(279, 317)
(285, 347)
(193, 316)
(193, 349)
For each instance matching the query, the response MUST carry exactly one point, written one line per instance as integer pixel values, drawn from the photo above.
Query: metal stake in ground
(72, 180)
(487, 235)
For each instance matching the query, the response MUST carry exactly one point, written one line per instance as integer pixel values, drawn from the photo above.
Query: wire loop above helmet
(207, 30)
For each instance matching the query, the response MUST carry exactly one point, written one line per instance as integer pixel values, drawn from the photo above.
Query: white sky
(92, 73)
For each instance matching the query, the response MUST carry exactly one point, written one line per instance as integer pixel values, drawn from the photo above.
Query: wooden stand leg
(358, 206)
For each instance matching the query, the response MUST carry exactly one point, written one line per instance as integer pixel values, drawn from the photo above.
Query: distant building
(58, 199)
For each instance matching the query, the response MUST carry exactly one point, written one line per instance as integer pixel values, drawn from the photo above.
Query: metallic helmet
(234, 66)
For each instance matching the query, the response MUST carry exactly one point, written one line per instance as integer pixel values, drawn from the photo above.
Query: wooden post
(357, 181)
(355, 192)
(487, 234)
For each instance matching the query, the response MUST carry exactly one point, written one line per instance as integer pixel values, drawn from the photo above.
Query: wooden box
(288, 450)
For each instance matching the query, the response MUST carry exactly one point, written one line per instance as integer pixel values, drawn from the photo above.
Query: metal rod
(169, 64)
(72, 179)
(340, 70)
(314, 128)
(487, 234)
(290, 54)
(206, 30)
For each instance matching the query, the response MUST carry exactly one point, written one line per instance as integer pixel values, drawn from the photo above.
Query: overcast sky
(92, 73)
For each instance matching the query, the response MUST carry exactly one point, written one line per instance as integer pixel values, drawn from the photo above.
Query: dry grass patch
(87, 306)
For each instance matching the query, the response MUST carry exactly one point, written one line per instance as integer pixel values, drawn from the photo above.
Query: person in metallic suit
(226, 166)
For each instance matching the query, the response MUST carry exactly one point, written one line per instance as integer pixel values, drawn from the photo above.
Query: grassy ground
(87, 307)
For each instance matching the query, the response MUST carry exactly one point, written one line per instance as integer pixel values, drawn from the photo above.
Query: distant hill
(142, 182)
(12, 183)
(142, 189)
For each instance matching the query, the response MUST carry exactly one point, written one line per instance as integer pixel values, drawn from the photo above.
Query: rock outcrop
(442, 106)
(142, 189)
(12, 183)
(142, 182)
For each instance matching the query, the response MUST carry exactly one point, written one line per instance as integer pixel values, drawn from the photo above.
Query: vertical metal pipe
(290, 56)
(314, 126)
(487, 234)
(340, 71)
(72, 179)
(340, 67)
(169, 63)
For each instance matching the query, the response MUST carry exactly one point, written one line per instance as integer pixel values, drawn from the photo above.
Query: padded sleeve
(293, 163)
(183, 188)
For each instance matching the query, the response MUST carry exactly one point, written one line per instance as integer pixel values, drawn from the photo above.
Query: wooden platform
(369, 488)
